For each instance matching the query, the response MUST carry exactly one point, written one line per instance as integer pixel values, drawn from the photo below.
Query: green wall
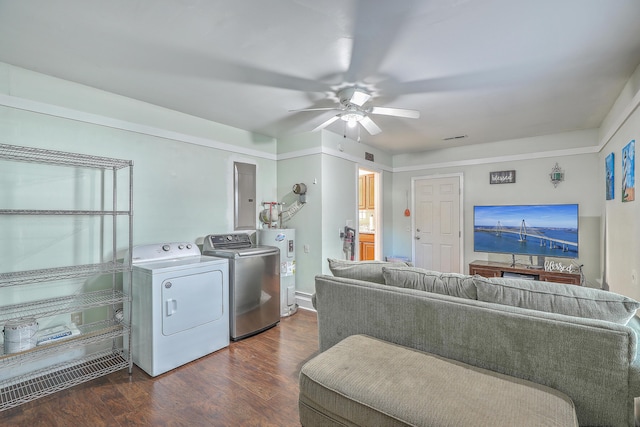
(183, 174)
(328, 165)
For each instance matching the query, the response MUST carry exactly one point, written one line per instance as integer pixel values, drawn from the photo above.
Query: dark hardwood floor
(253, 382)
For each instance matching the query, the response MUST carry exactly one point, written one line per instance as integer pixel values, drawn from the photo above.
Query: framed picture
(502, 177)
(609, 166)
(628, 171)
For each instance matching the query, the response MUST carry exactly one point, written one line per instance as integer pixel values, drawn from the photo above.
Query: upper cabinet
(366, 192)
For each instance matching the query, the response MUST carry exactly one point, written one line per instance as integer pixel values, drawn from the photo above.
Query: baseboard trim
(303, 300)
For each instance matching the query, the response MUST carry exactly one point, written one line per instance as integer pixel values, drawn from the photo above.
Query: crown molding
(99, 120)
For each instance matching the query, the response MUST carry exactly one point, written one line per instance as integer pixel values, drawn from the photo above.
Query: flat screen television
(537, 230)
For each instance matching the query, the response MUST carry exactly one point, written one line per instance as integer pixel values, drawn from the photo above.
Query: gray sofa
(580, 341)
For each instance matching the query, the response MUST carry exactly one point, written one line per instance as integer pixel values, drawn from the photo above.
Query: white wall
(532, 186)
(622, 258)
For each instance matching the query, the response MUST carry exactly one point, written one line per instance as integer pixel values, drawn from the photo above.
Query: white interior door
(437, 235)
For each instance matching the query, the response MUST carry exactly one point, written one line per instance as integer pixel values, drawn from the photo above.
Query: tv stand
(498, 269)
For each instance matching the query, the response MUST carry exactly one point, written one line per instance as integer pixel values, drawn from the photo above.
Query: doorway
(437, 223)
(369, 221)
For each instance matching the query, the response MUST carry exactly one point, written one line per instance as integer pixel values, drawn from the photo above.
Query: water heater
(283, 239)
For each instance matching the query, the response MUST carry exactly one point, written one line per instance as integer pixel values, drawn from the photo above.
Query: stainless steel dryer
(254, 282)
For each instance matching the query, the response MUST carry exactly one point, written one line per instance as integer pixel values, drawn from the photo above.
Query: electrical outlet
(76, 318)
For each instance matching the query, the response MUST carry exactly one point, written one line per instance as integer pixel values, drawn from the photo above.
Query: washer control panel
(227, 241)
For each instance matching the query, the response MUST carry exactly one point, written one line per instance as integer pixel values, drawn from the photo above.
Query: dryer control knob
(166, 248)
(189, 246)
(180, 247)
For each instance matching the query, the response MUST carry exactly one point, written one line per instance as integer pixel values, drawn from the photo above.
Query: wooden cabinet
(498, 269)
(366, 192)
(370, 191)
(367, 247)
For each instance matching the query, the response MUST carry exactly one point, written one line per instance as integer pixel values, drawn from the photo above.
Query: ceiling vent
(451, 138)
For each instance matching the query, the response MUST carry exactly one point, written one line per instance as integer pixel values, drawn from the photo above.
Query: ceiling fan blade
(373, 42)
(315, 109)
(326, 123)
(396, 112)
(370, 126)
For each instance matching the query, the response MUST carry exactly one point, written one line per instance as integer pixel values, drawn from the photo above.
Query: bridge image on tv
(540, 230)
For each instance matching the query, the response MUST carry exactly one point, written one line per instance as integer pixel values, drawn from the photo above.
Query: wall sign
(502, 177)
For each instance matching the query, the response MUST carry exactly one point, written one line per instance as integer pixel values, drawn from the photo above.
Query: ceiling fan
(353, 110)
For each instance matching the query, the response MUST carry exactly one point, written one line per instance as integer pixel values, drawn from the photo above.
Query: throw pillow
(571, 300)
(457, 285)
(370, 271)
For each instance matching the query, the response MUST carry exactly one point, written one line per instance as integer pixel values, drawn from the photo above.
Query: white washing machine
(180, 305)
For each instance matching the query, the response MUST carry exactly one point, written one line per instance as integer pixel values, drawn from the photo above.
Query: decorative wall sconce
(556, 175)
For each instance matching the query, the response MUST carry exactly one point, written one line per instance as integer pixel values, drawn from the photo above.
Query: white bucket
(20, 335)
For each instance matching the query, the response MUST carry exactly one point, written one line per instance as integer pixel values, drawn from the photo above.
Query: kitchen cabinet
(370, 200)
(65, 217)
(366, 192)
(367, 246)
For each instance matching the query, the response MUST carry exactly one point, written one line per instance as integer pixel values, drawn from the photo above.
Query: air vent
(451, 138)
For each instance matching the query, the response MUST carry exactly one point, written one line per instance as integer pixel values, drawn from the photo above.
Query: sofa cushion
(457, 285)
(370, 271)
(363, 381)
(570, 300)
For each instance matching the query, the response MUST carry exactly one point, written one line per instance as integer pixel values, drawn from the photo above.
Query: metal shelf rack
(62, 305)
(89, 334)
(60, 376)
(61, 273)
(81, 362)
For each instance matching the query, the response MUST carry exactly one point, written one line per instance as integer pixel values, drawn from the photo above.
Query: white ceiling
(490, 69)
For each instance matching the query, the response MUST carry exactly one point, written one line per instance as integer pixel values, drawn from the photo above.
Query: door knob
(418, 230)
(417, 237)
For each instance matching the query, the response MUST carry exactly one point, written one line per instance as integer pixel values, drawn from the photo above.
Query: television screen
(539, 230)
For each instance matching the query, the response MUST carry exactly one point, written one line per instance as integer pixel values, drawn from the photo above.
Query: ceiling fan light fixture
(352, 118)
